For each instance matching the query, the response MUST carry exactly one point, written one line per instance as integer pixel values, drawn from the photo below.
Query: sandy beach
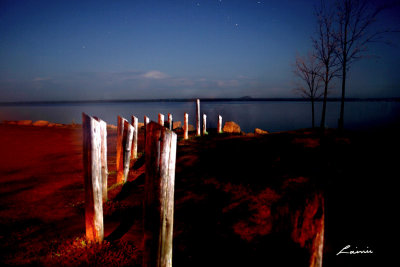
(240, 200)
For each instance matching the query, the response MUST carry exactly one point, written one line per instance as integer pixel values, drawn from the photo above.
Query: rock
(191, 128)
(176, 124)
(24, 122)
(259, 131)
(41, 123)
(140, 125)
(231, 127)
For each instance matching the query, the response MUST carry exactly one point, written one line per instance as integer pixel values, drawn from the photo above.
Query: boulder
(41, 123)
(24, 122)
(259, 131)
(176, 124)
(231, 127)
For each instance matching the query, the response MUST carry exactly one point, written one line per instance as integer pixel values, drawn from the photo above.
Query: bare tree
(308, 69)
(354, 19)
(325, 51)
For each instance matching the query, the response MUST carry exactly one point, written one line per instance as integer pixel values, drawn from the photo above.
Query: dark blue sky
(79, 50)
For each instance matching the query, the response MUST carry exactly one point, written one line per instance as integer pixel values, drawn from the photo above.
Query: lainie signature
(347, 250)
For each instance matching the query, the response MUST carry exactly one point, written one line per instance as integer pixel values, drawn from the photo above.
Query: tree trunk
(324, 101)
(92, 179)
(341, 118)
(158, 210)
(312, 112)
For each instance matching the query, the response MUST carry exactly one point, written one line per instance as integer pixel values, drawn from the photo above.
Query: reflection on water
(271, 116)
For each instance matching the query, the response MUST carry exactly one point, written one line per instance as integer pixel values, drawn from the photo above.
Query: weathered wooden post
(134, 149)
(204, 124)
(125, 144)
(170, 121)
(160, 156)
(92, 176)
(198, 117)
(186, 127)
(145, 122)
(161, 119)
(219, 124)
(120, 135)
(104, 167)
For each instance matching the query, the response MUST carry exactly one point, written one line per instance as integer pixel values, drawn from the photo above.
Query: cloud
(155, 74)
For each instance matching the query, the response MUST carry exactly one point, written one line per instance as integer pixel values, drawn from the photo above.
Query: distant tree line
(344, 31)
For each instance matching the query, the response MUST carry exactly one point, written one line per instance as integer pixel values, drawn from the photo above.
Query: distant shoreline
(242, 99)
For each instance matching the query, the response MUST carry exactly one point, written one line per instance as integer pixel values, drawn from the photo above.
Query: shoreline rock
(231, 127)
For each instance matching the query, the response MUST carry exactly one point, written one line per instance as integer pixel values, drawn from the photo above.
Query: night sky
(95, 50)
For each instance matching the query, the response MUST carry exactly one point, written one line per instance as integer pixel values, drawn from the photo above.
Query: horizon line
(226, 99)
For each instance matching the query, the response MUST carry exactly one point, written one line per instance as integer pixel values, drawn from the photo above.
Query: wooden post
(92, 176)
(104, 167)
(170, 121)
(204, 124)
(145, 122)
(120, 135)
(161, 119)
(186, 127)
(135, 138)
(130, 131)
(198, 117)
(219, 124)
(160, 156)
(125, 144)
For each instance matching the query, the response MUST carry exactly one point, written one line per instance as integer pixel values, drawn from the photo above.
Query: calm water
(271, 116)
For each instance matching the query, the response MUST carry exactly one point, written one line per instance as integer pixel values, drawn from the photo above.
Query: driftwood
(135, 138)
(160, 156)
(92, 178)
(186, 127)
(198, 117)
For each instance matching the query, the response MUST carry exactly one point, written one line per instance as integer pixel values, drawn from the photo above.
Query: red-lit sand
(239, 200)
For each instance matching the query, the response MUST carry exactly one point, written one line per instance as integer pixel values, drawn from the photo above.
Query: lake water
(267, 115)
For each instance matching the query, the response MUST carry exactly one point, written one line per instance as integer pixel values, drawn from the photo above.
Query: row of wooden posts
(160, 157)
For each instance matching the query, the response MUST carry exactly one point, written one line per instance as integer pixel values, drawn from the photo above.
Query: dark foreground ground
(239, 200)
